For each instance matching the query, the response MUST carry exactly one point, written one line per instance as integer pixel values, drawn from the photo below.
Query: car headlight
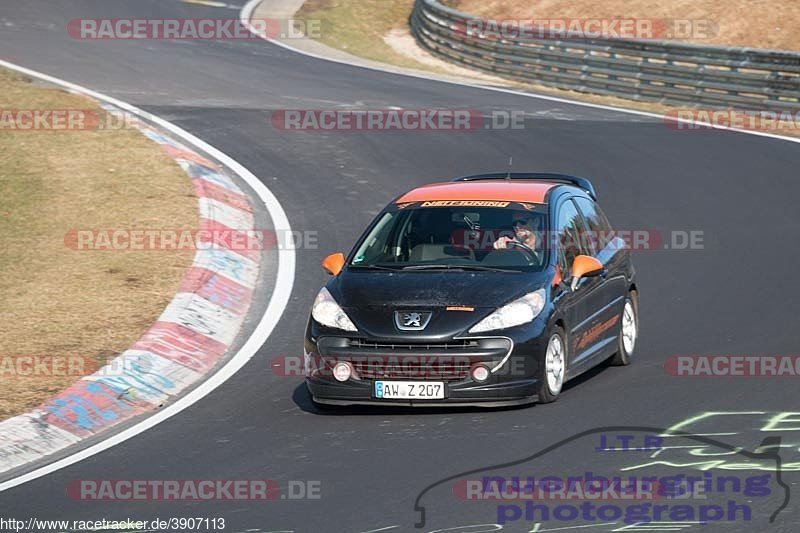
(328, 313)
(518, 312)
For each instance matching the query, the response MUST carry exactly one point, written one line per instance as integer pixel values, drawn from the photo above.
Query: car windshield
(502, 236)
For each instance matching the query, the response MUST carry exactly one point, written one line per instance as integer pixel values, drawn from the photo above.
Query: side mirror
(333, 263)
(585, 266)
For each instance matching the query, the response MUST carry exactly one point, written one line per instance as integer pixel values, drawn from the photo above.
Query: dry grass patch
(55, 300)
(757, 23)
(359, 26)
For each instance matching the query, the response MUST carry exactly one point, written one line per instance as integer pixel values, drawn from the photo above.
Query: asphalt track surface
(738, 295)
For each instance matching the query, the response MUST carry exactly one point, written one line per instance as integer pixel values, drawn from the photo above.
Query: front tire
(628, 332)
(554, 368)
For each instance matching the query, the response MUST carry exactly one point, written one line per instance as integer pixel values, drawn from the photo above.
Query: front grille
(399, 347)
(412, 368)
(449, 360)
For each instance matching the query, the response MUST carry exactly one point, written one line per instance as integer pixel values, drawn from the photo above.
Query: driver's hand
(501, 243)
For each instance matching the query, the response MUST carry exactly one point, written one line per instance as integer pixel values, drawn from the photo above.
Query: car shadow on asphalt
(302, 399)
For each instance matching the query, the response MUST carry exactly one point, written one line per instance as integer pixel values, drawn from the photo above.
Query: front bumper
(515, 360)
(462, 394)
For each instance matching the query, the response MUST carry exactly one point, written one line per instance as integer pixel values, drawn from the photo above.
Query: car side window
(570, 229)
(601, 232)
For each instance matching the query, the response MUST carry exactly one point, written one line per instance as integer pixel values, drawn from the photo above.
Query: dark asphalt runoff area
(738, 294)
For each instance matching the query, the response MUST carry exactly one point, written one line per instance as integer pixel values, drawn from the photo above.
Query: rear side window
(601, 232)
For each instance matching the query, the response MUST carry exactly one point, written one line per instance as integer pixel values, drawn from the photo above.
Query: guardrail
(653, 70)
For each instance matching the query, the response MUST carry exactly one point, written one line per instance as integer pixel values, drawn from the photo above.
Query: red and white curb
(187, 342)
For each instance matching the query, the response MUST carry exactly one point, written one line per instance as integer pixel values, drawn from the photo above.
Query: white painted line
(209, 3)
(247, 13)
(684, 435)
(665, 528)
(277, 303)
(659, 526)
(653, 528)
(538, 524)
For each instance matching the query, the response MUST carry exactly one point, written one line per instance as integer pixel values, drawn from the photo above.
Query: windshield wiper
(491, 269)
(479, 268)
(376, 267)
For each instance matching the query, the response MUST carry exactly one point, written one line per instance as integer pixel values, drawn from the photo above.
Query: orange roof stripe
(501, 190)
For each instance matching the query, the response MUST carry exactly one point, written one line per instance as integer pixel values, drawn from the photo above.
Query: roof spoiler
(581, 183)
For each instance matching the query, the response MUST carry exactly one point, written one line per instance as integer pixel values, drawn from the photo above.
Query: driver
(526, 232)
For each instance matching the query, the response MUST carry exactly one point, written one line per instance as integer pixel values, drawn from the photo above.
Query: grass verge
(359, 26)
(54, 300)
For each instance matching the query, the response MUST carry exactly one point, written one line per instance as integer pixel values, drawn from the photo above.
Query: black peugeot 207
(486, 290)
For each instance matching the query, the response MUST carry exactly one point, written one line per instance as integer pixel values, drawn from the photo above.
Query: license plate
(409, 390)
